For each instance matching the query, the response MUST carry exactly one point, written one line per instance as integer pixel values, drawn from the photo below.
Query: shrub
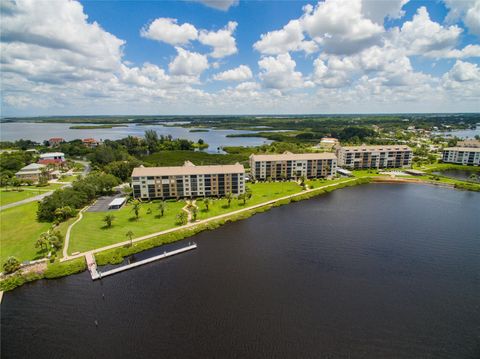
(61, 269)
(11, 265)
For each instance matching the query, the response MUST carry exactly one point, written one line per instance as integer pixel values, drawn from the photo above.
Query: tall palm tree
(207, 203)
(162, 206)
(130, 235)
(194, 213)
(136, 207)
(228, 196)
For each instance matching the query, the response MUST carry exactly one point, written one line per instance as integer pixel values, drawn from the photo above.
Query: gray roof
(32, 167)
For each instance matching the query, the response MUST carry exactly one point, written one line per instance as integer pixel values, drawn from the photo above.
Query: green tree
(151, 138)
(228, 196)
(207, 202)
(44, 176)
(182, 218)
(43, 241)
(108, 219)
(136, 208)
(130, 235)
(248, 193)
(194, 213)
(11, 265)
(63, 213)
(162, 206)
(55, 239)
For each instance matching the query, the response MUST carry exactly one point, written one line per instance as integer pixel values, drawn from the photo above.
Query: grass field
(19, 231)
(91, 233)
(68, 178)
(7, 197)
(261, 192)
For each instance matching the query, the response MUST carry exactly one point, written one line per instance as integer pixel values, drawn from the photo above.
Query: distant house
(55, 141)
(90, 142)
(55, 158)
(34, 171)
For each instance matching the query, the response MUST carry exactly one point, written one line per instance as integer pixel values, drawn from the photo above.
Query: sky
(201, 57)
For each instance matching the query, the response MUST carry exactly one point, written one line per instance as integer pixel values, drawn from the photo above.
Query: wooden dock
(92, 265)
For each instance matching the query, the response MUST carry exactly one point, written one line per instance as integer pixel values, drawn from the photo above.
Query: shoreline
(115, 253)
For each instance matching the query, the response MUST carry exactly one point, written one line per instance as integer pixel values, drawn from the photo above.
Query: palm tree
(194, 213)
(228, 196)
(248, 193)
(136, 207)
(130, 235)
(108, 219)
(162, 206)
(207, 203)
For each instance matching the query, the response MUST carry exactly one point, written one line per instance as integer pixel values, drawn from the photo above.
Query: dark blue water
(375, 271)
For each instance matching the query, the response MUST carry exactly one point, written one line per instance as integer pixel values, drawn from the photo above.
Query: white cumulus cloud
(240, 73)
(422, 36)
(279, 72)
(289, 38)
(167, 30)
(188, 63)
(222, 41)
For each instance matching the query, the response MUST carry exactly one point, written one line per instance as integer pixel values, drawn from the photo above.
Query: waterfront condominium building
(382, 156)
(293, 165)
(187, 181)
(462, 155)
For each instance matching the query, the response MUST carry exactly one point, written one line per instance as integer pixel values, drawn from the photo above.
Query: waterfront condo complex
(293, 165)
(462, 155)
(381, 156)
(188, 181)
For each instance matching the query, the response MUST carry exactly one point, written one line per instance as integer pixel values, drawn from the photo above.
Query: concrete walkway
(69, 230)
(27, 200)
(193, 224)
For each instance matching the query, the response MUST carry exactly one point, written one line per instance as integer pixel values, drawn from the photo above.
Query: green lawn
(19, 231)
(261, 192)
(90, 232)
(7, 197)
(68, 178)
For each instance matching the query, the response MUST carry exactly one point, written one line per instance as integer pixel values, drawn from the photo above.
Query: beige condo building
(462, 155)
(379, 156)
(188, 181)
(293, 165)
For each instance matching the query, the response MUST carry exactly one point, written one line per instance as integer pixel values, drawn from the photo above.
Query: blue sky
(234, 57)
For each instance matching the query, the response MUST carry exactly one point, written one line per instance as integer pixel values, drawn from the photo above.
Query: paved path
(192, 224)
(86, 169)
(69, 229)
(27, 200)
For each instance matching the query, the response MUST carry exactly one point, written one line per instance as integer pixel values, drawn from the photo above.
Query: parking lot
(101, 204)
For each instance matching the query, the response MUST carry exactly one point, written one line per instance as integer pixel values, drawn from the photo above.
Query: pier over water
(92, 265)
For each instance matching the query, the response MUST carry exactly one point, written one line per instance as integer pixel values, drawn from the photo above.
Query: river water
(374, 271)
(11, 131)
